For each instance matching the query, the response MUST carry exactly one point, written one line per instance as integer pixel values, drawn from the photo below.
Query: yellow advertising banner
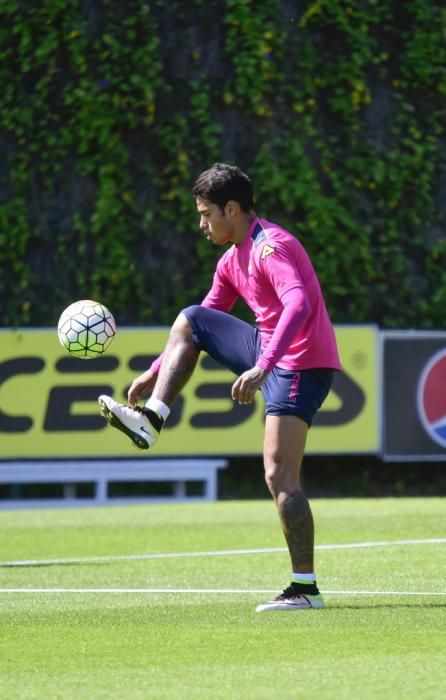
(48, 400)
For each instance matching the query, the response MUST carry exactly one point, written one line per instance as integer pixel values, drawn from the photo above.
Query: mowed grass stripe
(226, 591)
(217, 553)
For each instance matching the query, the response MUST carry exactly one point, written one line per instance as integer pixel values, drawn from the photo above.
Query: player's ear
(232, 208)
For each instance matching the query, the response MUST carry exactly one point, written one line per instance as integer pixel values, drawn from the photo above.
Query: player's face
(213, 222)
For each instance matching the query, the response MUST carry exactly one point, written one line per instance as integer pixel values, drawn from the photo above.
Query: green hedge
(109, 110)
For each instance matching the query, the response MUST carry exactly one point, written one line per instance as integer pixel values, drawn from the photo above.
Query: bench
(103, 473)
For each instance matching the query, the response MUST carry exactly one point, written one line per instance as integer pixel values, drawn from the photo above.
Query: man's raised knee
(182, 323)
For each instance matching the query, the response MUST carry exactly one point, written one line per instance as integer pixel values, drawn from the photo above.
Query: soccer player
(290, 355)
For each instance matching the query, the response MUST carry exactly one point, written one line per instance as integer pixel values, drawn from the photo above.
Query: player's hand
(141, 387)
(245, 387)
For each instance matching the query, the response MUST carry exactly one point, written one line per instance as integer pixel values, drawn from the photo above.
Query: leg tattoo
(179, 360)
(297, 524)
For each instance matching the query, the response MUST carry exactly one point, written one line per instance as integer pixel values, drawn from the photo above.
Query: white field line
(217, 553)
(206, 591)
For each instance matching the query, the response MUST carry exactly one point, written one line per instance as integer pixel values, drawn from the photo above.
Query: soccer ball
(86, 329)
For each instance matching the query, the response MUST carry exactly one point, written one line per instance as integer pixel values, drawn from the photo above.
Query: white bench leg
(179, 489)
(69, 490)
(101, 491)
(210, 492)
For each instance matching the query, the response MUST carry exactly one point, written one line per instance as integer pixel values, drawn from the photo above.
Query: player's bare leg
(284, 444)
(179, 360)
(143, 425)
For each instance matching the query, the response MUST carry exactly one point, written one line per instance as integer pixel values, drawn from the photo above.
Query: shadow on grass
(390, 605)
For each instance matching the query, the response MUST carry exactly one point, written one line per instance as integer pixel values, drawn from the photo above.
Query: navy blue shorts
(235, 344)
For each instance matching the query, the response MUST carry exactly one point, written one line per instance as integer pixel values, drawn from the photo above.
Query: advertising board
(48, 400)
(414, 395)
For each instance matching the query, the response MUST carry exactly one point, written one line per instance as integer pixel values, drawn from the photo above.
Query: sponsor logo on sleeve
(267, 250)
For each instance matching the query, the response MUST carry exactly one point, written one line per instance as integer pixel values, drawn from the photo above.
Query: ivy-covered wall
(108, 111)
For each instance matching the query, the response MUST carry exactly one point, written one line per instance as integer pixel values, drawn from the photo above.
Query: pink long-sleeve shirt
(271, 271)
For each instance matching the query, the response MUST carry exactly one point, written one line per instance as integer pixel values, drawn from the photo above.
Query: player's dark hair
(223, 182)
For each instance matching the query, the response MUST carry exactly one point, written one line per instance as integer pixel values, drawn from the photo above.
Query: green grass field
(91, 613)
